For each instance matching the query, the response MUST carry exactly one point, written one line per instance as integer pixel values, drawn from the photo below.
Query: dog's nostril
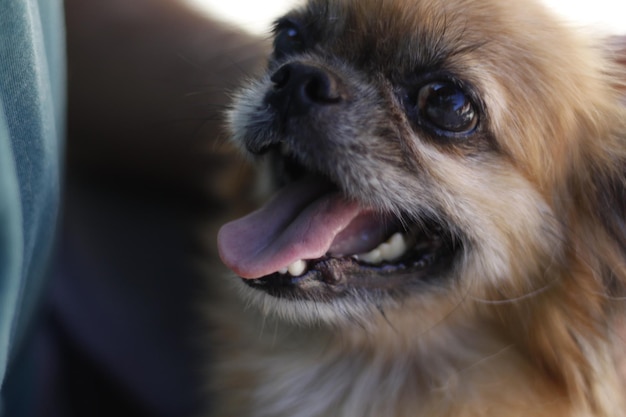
(297, 88)
(321, 88)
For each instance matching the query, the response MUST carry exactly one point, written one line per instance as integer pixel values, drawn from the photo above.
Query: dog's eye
(447, 107)
(288, 39)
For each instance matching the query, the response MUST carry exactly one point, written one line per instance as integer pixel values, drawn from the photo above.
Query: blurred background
(149, 178)
(255, 16)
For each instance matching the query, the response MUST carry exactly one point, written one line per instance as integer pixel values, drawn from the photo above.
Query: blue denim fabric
(32, 89)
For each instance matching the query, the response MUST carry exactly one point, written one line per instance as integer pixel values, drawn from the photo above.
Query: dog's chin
(343, 292)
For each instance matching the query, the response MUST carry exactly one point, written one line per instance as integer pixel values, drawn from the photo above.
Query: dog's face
(424, 150)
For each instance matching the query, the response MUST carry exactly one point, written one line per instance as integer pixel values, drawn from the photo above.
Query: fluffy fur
(524, 321)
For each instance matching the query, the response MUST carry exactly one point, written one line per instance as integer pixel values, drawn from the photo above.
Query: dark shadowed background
(148, 175)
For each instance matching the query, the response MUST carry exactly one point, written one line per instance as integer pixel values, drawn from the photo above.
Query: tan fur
(527, 324)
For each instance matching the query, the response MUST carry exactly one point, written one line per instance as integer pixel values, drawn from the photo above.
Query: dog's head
(428, 151)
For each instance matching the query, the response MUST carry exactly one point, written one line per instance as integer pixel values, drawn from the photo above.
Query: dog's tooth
(283, 270)
(297, 268)
(386, 251)
(372, 257)
(394, 248)
(390, 250)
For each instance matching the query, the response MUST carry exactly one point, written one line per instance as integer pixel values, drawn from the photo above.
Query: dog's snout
(299, 88)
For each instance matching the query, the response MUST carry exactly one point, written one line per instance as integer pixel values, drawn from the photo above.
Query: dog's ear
(599, 189)
(619, 45)
(568, 328)
(611, 202)
(620, 195)
(611, 185)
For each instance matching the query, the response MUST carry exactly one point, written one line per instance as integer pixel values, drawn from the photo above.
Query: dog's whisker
(381, 310)
(474, 365)
(510, 300)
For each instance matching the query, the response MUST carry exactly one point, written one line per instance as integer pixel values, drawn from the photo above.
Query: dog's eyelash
(281, 23)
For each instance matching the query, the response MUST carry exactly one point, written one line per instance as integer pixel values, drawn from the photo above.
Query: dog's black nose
(299, 88)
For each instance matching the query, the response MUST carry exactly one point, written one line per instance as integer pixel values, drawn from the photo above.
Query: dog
(446, 235)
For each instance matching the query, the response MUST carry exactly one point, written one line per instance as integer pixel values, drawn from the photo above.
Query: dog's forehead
(395, 34)
(399, 37)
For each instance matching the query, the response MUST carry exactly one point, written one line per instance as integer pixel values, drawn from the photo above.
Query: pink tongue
(302, 221)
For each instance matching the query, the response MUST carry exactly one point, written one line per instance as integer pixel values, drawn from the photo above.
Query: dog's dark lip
(329, 277)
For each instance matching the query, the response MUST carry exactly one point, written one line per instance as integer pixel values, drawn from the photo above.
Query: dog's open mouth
(309, 237)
